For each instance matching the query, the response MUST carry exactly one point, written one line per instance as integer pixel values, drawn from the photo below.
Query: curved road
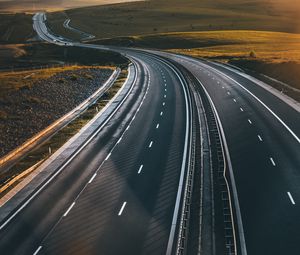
(139, 158)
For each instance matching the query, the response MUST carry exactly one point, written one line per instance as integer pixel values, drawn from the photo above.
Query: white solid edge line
(140, 169)
(150, 145)
(122, 209)
(37, 250)
(233, 185)
(93, 177)
(69, 209)
(72, 157)
(261, 102)
(272, 161)
(291, 198)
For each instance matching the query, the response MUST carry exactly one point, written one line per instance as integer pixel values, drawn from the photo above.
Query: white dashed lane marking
(70, 208)
(140, 169)
(291, 198)
(122, 209)
(272, 161)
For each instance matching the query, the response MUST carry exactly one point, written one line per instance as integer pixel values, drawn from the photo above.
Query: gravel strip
(30, 110)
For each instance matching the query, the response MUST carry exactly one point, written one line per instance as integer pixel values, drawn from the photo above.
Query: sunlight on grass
(268, 46)
(13, 80)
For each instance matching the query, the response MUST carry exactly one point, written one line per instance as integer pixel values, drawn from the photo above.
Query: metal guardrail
(8, 160)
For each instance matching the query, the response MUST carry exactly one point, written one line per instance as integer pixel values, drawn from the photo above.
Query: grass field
(55, 142)
(15, 28)
(143, 18)
(36, 5)
(266, 46)
(16, 80)
(14, 56)
(274, 54)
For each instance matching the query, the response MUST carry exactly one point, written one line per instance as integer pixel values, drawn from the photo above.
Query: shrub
(73, 77)
(88, 76)
(61, 80)
(3, 115)
(33, 100)
(252, 54)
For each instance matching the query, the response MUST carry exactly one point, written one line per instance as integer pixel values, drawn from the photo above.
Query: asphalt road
(265, 156)
(127, 208)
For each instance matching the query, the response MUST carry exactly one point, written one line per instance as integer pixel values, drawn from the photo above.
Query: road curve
(118, 195)
(262, 134)
(127, 205)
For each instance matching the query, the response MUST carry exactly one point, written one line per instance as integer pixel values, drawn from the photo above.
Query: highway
(123, 192)
(263, 140)
(120, 191)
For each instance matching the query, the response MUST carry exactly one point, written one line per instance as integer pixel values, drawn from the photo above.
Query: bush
(252, 54)
(74, 77)
(33, 100)
(25, 87)
(3, 115)
(88, 76)
(61, 80)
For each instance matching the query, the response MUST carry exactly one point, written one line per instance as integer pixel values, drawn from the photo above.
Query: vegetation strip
(62, 136)
(19, 152)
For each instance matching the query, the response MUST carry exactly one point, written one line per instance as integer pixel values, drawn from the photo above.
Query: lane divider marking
(272, 161)
(122, 209)
(70, 208)
(150, 145)
(107, 157)
(93, 177)
(37, 251)
(140, 169)
(291, 198)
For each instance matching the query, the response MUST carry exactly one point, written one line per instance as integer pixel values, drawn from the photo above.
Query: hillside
(140, 18)
(11, 6)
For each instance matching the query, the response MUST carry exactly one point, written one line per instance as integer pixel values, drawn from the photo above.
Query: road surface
(119, 196)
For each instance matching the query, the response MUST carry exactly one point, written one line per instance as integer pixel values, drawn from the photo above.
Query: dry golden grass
(62, 136)
(268, 46)
(15, 80)
(149, 17)
(11, 51)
